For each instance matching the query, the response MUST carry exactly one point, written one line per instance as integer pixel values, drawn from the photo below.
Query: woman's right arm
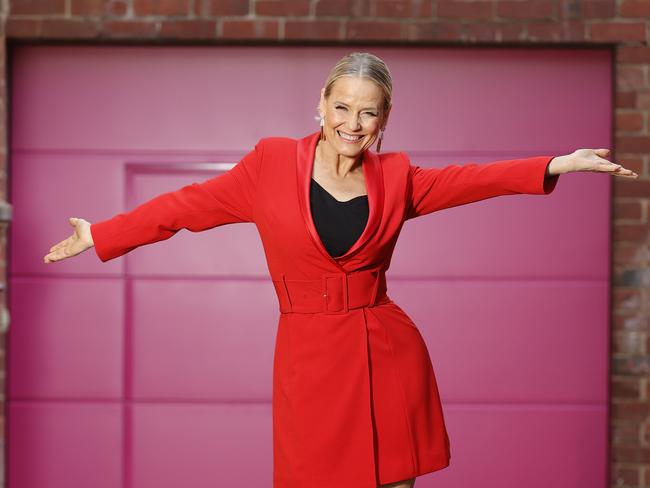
(223, 199)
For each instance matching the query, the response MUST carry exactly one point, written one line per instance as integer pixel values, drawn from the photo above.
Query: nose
(353, 122)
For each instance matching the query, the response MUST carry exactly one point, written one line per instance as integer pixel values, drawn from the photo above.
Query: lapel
(372, 172)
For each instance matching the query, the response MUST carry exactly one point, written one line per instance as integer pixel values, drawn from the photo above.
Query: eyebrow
(365, 108)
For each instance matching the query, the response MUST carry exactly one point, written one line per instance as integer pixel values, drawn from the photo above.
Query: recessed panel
(201, 445)
(520, 342)
(64, 445)
(203, 339)
(66, 338)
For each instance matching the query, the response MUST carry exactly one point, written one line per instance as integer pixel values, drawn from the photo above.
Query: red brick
(360, 30)
(638, 321)
(23, 28)
(627, 300)
(510, 31)
(189, 29)
(626, 475)
(630, 410)
(633, 144)
(161, 7)
(628, 211)
(464, 9)
(433, 31)
(36, 7)
(312, 30)
(637, 365)
(586, 9)
(631, 162)
(618, 31)
(632, 54)
(343, 8)
(555, 31)
(629, 121)
(282, 8)
(628, 342)
(481, 31)
(601, 9)
(239, 29)
(639, 233)
(634, 9)
(626, 388)
(625, 99)
(630, 454)
(525, 9)
(98, 7)
(570, 9)
(629, 78)
(626, 432)
(221, 7)
(128, 28)
(403, 8)
(250, 29)
(643, 99)
(70, 28)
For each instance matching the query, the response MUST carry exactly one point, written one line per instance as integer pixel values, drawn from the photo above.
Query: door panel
(154, 369)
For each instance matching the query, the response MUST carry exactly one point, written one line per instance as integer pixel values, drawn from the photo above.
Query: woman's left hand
(591, 160)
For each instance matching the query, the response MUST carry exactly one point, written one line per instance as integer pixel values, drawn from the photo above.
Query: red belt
(333, 293)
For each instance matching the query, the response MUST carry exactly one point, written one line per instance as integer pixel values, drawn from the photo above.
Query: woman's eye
(341, 107)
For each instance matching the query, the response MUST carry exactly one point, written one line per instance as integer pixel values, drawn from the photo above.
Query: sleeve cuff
(99, 233)
(549, 181)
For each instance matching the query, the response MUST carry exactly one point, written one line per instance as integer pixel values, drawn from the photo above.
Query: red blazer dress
(355, 400)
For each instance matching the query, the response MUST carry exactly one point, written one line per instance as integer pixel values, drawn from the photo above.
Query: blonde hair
(362, 65)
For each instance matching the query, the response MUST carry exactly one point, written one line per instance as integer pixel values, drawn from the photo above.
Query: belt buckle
(329, 291)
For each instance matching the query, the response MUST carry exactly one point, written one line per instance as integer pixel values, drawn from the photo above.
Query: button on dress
(355, 399)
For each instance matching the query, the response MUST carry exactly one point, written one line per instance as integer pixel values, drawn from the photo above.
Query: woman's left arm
(433, 189)
(590, 160)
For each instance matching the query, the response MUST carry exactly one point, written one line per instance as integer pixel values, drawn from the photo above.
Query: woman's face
(353, 115)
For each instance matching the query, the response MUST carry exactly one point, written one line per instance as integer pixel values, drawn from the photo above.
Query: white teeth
(349, 138)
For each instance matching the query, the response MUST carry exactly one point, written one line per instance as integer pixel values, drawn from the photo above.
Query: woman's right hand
(80, 240)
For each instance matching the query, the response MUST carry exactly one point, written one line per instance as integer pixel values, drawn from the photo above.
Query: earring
(381, 137)
(322, 123)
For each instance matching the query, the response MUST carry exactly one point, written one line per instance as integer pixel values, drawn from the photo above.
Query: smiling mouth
(349, 138)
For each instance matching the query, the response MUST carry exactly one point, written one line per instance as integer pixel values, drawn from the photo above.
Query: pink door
(134, 373)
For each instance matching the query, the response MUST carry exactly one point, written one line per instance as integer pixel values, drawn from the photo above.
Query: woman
(355, 400)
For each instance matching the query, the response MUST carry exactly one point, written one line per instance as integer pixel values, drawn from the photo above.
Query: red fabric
(355, 399)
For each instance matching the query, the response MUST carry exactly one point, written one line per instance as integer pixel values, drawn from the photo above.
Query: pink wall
(139, 370)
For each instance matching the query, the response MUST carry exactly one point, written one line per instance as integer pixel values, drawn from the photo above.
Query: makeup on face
(352, 113)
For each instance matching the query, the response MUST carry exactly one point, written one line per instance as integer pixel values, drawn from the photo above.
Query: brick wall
(624, 24)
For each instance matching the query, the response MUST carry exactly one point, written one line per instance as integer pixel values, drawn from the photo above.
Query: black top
(339, 224)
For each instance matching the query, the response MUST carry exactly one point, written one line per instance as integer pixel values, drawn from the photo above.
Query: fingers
(63, 249)
(627, 173)
(58, 251)
(57, 255)
(618, 170)
(615, 169)
(63, 243)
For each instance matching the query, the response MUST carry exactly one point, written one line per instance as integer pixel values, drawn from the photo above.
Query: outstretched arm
(432, 189)
(223, 199)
